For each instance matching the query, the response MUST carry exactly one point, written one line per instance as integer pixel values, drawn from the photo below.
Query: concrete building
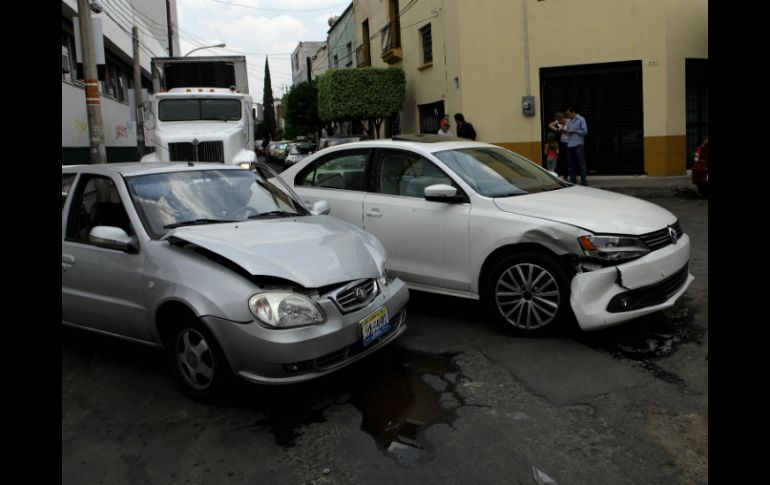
(316, 54)
(117, 19)
(637, 70)
(342, 40)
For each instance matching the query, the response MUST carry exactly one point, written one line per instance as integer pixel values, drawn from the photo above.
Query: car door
(101, 288)
(339, 178)
(428, 242)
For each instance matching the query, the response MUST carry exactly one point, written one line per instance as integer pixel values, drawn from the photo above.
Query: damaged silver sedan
(224, 267)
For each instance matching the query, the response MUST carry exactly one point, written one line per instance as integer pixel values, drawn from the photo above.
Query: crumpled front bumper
(655, 275)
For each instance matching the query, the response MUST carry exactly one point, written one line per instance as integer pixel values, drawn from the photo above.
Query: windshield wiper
(195, 222)
(275, 213)
(511, 194)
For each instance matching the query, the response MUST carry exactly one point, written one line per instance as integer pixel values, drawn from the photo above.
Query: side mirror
(110, 237)
(320, 208)
(442, 193)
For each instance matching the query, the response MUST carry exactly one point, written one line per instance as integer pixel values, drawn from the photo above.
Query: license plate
(375, 325)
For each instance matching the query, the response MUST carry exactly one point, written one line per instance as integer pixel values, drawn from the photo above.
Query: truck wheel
(527, 293)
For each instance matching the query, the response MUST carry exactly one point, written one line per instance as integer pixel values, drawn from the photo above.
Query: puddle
(400, 394)
(650, 338)
(411, 392)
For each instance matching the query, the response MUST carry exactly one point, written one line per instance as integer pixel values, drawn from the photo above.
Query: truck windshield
(199, 109)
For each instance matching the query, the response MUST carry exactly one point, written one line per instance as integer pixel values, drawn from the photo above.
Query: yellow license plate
(375, 325)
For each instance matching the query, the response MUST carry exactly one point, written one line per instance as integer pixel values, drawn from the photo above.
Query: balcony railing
(391, 42)
(362, 56)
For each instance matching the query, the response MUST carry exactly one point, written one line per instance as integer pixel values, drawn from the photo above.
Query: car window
(168, 200)
(96, 203)
(406, 173)
(497, 172)
(340, 170)
(66, 184)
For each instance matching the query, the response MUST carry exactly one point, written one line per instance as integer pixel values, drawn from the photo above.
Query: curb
(653, 192)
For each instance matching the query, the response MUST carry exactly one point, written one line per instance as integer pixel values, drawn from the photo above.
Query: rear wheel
(528, 293)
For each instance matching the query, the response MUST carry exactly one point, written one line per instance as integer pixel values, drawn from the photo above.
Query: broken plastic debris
(542, 478)
(327, 471)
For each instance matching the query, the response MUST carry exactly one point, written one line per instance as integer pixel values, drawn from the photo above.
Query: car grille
(649, 295)
(355, 295)
(208, 151)
(662, 238)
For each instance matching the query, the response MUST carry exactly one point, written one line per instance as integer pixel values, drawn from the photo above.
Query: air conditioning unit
(65, 60)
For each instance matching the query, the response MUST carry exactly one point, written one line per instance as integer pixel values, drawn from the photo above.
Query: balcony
(391, 42)
(363, 58)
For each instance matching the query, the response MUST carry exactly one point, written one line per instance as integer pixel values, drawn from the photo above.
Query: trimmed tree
(301, 110)
(367, 94)
(267, 106)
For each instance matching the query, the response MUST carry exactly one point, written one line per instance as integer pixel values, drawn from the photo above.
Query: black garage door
(609, 97)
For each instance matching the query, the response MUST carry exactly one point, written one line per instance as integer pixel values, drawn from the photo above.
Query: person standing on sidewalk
(577, 130)
(444, 128)
(464, 129)
(559, 128)
(551, 153)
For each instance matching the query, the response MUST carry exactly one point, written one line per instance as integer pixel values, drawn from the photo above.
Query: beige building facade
(628, 66)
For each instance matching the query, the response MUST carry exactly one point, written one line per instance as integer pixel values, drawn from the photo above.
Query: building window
(367, 57)
(427, 44)
(350, 54)
(336, 61)
(68, 67)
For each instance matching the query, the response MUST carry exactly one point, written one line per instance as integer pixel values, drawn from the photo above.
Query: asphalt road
(452, 401)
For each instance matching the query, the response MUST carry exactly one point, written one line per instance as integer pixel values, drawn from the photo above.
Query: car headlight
(613, 249)
(385, 279)
(245, 164)
(285, 309)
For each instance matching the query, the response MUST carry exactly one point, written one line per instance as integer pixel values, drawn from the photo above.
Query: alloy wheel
(194, 359)
(527, 296)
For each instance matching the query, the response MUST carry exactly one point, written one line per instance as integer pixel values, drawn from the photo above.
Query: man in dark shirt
(464, 129)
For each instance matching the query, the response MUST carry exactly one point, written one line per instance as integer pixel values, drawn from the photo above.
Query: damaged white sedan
(225, 268)
(477, 221)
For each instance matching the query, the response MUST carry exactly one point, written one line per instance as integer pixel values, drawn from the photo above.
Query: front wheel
(528, 293)
(199, 364)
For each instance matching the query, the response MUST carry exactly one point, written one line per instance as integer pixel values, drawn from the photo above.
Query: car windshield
(199, 109)
(173, 199)
(497, 172)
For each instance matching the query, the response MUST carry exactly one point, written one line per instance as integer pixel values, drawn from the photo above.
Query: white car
(477, 221)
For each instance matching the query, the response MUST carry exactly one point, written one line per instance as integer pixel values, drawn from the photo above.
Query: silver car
(225, 268)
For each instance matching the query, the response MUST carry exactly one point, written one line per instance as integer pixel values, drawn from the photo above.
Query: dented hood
(596, 210)
(313, 251)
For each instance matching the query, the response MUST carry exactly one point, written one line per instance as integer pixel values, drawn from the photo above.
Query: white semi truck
(200, 111)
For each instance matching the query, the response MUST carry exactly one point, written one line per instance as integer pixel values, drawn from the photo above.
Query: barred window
(427, 44)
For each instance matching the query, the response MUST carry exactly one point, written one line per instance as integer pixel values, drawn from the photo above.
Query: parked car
(297, 152)
(475, 220)
(224, 267)
(700, 168)
(333, 141)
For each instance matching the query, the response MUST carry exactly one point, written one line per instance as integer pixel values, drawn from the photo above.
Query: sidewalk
(644, 185)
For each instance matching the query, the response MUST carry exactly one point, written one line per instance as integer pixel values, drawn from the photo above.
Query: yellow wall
(481, 42)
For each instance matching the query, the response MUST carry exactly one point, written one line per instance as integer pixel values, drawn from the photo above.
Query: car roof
(144, 168)
(426, 146)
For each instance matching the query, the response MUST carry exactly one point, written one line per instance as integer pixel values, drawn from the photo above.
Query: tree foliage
(267, 104)
(301, 109)
(366, 94)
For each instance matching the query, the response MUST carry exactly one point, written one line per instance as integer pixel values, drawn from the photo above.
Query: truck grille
(208, 151)
(356, 295)
(659, 239)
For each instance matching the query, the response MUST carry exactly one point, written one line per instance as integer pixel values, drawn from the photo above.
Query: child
(551, 152)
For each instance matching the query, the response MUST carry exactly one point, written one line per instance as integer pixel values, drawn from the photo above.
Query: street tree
(301, 110)
(368, 94)
(267, 105)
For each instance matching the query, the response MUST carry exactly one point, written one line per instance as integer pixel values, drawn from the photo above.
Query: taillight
(697, 154)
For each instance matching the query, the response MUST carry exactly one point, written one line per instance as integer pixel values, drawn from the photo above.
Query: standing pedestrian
(464, 129)
(444, 128)
(559, 128)
(576, 155)
(551, 152)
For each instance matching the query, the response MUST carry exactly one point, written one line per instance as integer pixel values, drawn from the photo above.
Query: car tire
(527, 293)
(199, 364)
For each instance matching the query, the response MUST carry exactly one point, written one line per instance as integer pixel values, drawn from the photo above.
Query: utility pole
(170, 30)
(138, 94)
(91, 81)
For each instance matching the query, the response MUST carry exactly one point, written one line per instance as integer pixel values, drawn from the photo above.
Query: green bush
(368, 93)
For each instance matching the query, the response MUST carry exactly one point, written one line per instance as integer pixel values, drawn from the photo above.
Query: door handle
(67, 261)
(374, 213)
